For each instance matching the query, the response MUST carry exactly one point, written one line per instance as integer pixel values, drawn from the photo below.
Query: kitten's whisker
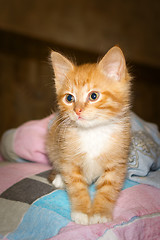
(62, 121)
(63, 127)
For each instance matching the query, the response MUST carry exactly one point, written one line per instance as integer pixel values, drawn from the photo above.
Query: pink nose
(78, 111)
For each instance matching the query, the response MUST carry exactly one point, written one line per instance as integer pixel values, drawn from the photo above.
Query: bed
(32, 209)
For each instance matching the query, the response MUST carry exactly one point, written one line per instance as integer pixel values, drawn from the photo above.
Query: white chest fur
(93, 142)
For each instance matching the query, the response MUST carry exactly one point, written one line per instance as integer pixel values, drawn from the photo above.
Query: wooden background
(28, 29)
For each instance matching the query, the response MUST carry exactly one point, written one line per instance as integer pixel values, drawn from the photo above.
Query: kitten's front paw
(58, 182)
(80, 218)
(97, 218)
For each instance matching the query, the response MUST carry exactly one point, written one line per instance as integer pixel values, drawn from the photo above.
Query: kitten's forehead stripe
(83, 74)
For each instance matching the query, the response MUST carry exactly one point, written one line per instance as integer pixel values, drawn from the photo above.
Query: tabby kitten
(89, 138)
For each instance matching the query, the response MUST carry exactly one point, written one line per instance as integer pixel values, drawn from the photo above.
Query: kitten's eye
(93, 96)
(69, 98)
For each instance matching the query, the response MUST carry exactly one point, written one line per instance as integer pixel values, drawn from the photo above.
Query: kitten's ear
(113, 64)
(61, 66)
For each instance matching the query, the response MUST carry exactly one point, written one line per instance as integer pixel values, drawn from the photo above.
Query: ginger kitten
(90, 137)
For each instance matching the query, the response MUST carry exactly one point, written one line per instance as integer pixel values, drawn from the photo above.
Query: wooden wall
(25, 80)
(92, 25)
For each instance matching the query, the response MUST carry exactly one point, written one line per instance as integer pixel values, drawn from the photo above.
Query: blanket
(31, 209)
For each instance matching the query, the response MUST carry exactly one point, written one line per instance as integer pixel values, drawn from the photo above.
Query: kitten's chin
(83, 123)
(93, 123)
(88, 123)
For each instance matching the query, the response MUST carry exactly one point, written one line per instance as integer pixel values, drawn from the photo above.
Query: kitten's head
(92, 94)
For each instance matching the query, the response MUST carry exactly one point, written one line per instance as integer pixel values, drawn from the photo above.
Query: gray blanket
(144, 159)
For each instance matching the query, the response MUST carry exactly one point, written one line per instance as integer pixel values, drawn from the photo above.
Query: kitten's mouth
(82, 121)
(85, 123)
(79, 117)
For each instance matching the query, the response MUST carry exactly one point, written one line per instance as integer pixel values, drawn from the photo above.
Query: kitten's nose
(78, 111)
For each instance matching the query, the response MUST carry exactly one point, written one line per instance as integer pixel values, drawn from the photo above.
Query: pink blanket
(32, 209)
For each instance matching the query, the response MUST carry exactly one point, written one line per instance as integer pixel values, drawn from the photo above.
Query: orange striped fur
(90, 137)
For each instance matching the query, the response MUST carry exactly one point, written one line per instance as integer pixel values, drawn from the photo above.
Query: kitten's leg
(108, 188)
(56, 180)
(77, 189)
